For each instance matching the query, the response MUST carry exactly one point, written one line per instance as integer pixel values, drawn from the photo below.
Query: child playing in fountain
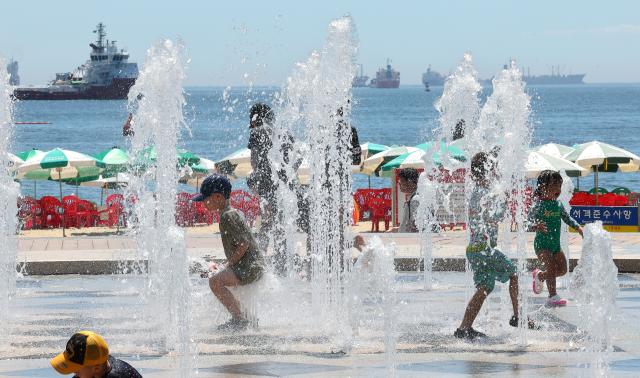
(245, 263)
(546, 216)
(487, 262)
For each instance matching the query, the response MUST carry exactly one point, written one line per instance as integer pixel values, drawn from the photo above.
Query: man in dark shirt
(262, 180)
(87, 355)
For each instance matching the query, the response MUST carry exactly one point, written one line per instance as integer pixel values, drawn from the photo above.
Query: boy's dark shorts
(248, 271)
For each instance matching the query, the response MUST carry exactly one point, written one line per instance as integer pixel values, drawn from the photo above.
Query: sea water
(562, 114)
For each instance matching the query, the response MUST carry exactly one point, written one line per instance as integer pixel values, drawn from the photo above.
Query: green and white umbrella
(14, 160)
(114, 159)
(369, 149)
(184, 157)
(372, 165)
(554, 149)
(192, 175)
(236, 164)
(539, 161)
(453, 151)
(27, 156)
(415, 160)
(603, 157)
(61, 165)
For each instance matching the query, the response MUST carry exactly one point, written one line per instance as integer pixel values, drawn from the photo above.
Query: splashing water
(566, 193)
(290, 122)
(159, 99)
(595, 288)
(504, 121)
(373, 281)
(459, 101)
(8, 202)
(328, 135)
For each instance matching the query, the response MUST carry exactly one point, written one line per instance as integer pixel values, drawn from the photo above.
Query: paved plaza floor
(291, 340)
(104, 254)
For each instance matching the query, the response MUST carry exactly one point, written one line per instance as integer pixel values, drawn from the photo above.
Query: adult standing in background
(263, 181)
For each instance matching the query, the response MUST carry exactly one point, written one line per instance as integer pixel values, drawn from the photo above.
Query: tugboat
(107, 75)
(386, 78)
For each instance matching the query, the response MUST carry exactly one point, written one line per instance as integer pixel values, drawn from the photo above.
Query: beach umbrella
(236, 164)
(27, 156)
(372, 165)
(539, 161)
(184, 157)
(13, 160)
(114, 160)
(369, 149)
(554, 149)
(602, 157)
(61, 165)
(453, 151)
(415, 160)
(101, 182)
(192, 175)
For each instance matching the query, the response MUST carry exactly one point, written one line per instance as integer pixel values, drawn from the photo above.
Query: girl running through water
(546, 216)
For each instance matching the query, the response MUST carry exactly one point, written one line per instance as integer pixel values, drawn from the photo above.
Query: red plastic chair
(203, 215)
(116, 197)
(52, 211)
(380, 211)
(247, 204)
(29, 213)
(70, 206)
(621, 200)
(114, 212)
(87, 214)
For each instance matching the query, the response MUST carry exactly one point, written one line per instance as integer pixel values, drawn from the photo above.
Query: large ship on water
(431, 78)
(556, 78)
(386, 78)
(107, 75)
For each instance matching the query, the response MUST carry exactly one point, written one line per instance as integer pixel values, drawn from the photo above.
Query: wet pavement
(290, 340)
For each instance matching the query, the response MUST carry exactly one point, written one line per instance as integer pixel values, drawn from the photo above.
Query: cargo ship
(360, 80)
(556, 78)
(107, 75)
(386, 78)
(431, 78)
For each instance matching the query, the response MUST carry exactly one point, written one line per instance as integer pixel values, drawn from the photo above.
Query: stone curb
(402, 264)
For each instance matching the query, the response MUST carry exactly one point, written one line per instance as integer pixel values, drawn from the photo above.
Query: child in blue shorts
(488, 263)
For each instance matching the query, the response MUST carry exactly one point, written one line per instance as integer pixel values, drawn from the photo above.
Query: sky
(258, 42)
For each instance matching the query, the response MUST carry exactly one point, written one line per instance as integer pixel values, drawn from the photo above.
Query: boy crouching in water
(487, 262)
(245, 263)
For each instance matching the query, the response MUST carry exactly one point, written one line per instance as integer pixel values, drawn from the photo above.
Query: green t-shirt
(550, 213)
(235, 231)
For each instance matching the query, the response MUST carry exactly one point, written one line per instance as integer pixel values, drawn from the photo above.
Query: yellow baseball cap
(84, 348)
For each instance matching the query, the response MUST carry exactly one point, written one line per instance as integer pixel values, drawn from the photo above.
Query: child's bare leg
(549, 274)
(547, 264)
(560, 264)
(473, 308)
(219, 283)
(513, 293)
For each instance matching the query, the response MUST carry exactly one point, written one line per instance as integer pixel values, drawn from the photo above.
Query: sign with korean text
(608, 215)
